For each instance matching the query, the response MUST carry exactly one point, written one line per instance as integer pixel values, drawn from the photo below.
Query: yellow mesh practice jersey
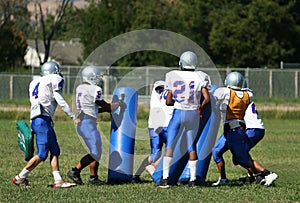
(237, 105)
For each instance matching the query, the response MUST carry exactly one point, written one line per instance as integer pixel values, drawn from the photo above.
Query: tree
(146, 15)
(104, 20)
(13, 41)
(71, 25)
(252, 35)
(47, 32)
(9, 9)
(12, 47)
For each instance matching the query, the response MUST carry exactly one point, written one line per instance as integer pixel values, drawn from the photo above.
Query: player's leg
(255, 135)
(220, 147)
(54, 163)
(172, 132)
(21, 179)
(140, 170)
(91, 136)
(40, 128)
(191, 118)
(162, 140)
(263, 175)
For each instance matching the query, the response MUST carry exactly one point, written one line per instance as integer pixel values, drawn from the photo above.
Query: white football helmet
(235, 80)
(50, 67)
(159, 86)
(91, 75)
(188, 60)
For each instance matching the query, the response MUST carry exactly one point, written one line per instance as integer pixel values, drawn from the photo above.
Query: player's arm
(206, 98)
(107, 107)
(63, 104)
(169, 100)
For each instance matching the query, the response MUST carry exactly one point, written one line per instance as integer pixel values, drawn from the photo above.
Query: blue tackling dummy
(122, 136)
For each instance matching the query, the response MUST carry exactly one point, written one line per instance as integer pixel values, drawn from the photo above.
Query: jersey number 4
(35, 92)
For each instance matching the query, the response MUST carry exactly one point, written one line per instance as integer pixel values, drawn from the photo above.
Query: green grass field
(278, 151)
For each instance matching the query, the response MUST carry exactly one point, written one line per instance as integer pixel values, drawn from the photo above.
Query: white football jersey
(186, 88)
(46, 91)
(86, 96)
(205, 78)
(252, 118)
(160, 114)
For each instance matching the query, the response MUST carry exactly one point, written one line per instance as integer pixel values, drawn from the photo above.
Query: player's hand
(122, 104)
(77, 122)
(200, 112)
(101, 110)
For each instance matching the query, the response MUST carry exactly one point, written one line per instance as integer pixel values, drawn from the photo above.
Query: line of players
(176, 103)
(243, 127)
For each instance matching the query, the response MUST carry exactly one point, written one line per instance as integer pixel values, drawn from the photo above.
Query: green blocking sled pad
(25, 139)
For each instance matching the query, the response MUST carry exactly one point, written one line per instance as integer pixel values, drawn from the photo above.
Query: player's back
(186, 88)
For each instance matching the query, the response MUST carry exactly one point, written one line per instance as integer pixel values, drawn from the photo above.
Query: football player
(255, 131)
(159, 118)
(185, 89)
(90, 102)
(45, 95)
(233, 102)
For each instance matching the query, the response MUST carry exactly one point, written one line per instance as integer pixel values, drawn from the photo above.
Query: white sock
(56, 175)
(24, 173)
(166, 166)
(193, 169)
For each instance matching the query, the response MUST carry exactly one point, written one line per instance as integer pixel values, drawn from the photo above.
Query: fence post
(11, 87)
(247, 75)
(147, 81)
(68, 80)
(270, 83)
(281, 64)
(296, 84)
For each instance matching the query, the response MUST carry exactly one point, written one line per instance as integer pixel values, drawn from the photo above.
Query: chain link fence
(265, 83)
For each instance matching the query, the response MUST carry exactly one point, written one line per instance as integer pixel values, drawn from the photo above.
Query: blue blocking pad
(122, 136)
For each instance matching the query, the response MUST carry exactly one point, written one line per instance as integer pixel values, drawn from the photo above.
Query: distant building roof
(64, 52)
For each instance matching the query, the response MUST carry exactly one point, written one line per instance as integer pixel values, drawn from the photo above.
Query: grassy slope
(278, 151)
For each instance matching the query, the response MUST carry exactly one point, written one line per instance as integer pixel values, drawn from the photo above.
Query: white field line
(14, 108)
(278, 107)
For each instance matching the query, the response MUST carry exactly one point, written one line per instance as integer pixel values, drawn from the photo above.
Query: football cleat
(260, 178)
(22, 182)
(164, 183)
(248, 179)
(221, 182)
(75, 176)
(192, 183)
(269, 179)
(136, 179)
(96, 181)
(63, 184)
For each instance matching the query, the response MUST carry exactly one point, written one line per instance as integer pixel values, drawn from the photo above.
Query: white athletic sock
(166, 166)
(56, 175)
(24, 173)
(193, 169)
